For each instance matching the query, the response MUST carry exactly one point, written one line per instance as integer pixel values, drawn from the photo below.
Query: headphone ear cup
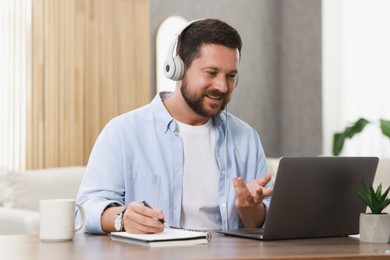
(169, 68)
(174, 68)
(179, 68)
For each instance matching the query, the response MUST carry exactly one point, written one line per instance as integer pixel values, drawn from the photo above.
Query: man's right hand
(137, 219)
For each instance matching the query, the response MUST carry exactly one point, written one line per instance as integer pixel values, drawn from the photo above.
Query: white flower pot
(374, 228)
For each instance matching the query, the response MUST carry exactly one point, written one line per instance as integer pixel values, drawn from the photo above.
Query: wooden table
(102, 247)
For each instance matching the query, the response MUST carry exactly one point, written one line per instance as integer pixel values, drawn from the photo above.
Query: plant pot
(374, 228)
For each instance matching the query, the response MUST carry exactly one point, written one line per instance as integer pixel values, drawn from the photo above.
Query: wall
(301, 77)
(279, 93)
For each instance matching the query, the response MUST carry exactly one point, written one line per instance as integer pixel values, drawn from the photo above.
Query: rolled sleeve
(94, 210)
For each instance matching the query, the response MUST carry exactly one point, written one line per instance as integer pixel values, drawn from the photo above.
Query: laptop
(313, 197)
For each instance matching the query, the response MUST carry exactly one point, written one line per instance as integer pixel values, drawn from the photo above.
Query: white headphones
(174, 65)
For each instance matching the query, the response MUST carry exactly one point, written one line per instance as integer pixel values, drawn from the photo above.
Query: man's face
(209, 82)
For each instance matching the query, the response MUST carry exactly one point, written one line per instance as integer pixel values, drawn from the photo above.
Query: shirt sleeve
(263, 170)
(103, 182)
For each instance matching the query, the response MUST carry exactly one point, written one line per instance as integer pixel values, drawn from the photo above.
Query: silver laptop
(313, 197)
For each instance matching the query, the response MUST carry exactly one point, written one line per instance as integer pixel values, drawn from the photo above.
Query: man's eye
(212, 73)
(232, 76)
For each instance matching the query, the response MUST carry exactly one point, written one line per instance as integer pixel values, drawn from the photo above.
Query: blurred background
(308, 69)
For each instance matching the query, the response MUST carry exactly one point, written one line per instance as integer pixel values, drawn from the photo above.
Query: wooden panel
(90, 63)
(77, 92)
(51, 61)
(107, 97)
(123, 45)
(141, 33)
(35, 115)
(63, 81)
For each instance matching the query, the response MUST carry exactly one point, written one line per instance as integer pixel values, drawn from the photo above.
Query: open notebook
(169, 237)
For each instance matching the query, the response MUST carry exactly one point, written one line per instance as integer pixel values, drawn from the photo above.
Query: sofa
(20, 192)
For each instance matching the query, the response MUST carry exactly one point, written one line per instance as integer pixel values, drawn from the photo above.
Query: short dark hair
(206, 31)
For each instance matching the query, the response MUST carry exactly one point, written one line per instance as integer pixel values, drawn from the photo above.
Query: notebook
(169, 237)
(313, 197)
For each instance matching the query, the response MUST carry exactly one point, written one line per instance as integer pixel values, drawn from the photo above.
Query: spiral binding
(208, 234)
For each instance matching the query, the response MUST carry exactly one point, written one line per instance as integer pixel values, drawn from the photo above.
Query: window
(356, 77)
(15, 31)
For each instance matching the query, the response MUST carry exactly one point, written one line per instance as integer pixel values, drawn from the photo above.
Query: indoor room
(311, 82)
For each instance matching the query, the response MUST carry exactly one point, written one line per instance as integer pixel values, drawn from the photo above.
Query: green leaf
(384, 196)
(386, 203)
(385, 126)
(374, 199)
(338, 143)
(362, 197)
(378, 190)
(356, 127)
(349, 132)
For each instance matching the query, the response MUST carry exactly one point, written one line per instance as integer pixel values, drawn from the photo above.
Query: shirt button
(223, 205)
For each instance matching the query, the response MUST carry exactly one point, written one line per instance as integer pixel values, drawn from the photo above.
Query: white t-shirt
(201, 174)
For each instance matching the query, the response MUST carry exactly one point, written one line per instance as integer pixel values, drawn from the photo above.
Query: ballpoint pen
(147, 205)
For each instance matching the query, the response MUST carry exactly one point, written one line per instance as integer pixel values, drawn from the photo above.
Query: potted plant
(355, 128)
(375, 226)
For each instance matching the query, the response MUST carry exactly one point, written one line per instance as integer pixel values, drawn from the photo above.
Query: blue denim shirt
(139, 156)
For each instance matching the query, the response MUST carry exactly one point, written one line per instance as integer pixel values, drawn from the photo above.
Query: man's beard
(196, 102)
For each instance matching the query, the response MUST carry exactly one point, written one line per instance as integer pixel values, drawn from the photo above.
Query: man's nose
(221, 83)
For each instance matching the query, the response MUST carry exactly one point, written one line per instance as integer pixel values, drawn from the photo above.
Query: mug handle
(82, 217)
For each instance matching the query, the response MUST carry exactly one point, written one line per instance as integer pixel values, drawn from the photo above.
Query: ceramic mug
(57, 219)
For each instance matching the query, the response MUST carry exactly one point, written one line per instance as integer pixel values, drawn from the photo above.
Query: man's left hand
(252, 193)
(249, 198)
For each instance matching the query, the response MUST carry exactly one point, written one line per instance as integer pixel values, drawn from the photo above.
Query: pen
(147, 205)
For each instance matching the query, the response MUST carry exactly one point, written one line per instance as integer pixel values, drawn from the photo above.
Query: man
(197, 167)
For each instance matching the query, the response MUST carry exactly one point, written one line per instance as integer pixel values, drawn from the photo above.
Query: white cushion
(18, 221)
(273, 164)
(3, 184)
(25, 189)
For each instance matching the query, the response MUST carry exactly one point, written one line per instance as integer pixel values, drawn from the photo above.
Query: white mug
(57, 219)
